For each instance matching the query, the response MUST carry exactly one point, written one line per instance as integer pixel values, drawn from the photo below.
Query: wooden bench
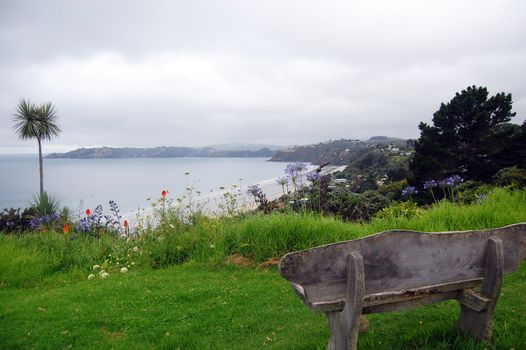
(397, 270)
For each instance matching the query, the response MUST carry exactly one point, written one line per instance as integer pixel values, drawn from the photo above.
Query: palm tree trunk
(41, 166)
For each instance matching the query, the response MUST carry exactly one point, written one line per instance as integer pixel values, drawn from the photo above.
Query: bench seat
(398, 270)
(398, 300)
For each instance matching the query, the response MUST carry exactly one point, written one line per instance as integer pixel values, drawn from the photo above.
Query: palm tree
(38, 122)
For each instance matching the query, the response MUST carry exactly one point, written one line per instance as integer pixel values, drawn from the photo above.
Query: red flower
(66, 229)
(88, 212)
(126, 223)
(163, 193)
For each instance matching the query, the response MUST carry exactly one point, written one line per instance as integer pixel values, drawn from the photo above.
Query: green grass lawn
(201, 307)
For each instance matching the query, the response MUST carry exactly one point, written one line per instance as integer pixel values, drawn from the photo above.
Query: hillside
(338, 152)
(159, 152)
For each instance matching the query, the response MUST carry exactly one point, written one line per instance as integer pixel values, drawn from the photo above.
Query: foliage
(260, 198)
(472, 191)
(33, 121)
(46, 210)
(514, 177)
(259, 237)
(45, 204)
(12, 220)
(283, 181)
(392, 190)
(295, 172)
(97, 224)
(470, 134)
(407, 210)
(319, 191)
(376, 167)
(367, 205)
(432, 191)
(336, 152)
(232, 203)
(329, 197)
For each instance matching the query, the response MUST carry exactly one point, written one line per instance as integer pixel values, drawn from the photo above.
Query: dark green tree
(37, 122)
(471, 136)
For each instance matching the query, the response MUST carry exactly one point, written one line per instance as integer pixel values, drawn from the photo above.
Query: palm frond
(45, 204)
(47, 118)
(26, 120)
(35, 121)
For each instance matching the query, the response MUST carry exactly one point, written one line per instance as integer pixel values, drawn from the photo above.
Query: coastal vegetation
(338, 152)
(472, 136)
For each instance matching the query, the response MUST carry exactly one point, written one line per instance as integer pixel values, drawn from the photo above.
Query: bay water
(85, 183)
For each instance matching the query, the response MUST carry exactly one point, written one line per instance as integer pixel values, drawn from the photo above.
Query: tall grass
(261, 237)
(257, 237)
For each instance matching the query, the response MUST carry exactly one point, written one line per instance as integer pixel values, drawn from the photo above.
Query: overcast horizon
(173, 73)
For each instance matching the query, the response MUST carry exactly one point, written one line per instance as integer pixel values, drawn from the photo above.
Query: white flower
(135, 249)
(104, 275)
(96, 267)
(101, 272)
(212, 246)
(124, 270)
(91, 276)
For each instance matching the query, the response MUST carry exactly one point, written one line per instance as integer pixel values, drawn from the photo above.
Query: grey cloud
(149, 73)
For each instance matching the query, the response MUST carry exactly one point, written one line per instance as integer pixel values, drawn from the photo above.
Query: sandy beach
(218, 202)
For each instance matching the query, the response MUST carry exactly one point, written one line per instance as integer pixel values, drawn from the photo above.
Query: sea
(132, 183)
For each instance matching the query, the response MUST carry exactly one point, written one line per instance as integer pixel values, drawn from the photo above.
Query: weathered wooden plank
(480, 324)
(473, 300)
(345, 325)
(410, 303)
(401, 260)
(395, 296)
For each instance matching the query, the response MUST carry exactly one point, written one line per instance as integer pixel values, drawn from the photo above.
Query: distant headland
(335, 152)
(160, 152)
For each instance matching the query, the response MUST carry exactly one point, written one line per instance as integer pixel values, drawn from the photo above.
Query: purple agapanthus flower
(409, 190)
(254, 190)
(295, 168)
(44, 220)
(430, 184)
(456, 179)
(451, 181)
(313, 176)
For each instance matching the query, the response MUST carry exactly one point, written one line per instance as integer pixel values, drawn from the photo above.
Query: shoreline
(215, 203)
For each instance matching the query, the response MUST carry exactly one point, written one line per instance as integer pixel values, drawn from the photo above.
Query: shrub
(393, 190)
(368, 204)
(45, 204)
(408, 210)
(472, 191)
(11, 220)
(514, 177)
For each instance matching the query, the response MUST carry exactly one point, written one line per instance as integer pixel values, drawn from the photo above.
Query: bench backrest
(401, 260)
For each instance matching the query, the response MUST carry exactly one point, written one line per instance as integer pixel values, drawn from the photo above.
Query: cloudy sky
(195, 73)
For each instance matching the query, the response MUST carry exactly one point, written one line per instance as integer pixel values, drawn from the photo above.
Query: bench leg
(479, 324)
(345, 325)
